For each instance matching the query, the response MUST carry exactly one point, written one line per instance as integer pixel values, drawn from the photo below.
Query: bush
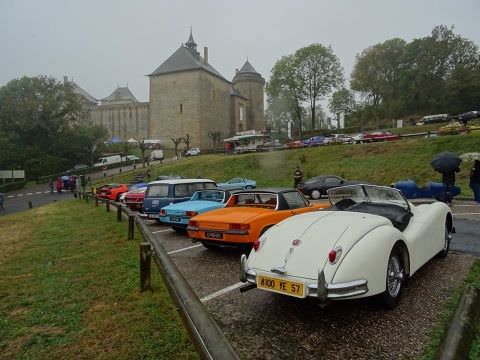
(12, 186)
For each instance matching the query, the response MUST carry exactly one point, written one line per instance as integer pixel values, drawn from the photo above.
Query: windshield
(369, 194)
(209, 195)
(158, 190)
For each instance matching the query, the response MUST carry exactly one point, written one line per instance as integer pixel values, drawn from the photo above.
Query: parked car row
(365, 241)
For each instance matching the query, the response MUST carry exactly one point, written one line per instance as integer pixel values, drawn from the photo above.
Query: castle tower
(250, 84)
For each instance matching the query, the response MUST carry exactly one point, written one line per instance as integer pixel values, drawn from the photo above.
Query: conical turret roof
(119, 96)
(248, 68)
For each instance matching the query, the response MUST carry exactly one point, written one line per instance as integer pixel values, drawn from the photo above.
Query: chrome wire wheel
(395, 276)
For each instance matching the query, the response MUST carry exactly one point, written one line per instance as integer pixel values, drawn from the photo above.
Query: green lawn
(69, 288)
(381, 163)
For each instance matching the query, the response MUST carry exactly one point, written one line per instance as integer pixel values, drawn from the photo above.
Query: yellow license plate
(282, 286)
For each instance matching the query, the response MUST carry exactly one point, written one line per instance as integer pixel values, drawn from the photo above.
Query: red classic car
(380, 136)
(295, 145)
(134, 199)
(111, 191)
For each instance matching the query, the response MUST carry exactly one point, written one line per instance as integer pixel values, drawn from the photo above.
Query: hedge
(12, 186)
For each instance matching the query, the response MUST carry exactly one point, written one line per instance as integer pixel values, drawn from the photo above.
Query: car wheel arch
(405, 255)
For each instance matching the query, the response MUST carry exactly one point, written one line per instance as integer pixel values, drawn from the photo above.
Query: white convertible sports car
(367, 244)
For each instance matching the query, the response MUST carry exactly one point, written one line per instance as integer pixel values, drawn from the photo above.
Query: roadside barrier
(208, 339)
(458, 337)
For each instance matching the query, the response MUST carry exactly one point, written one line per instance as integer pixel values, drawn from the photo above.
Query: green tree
(285, 90)
(320, 71)
(342, 102)
(377, 73)
(40, 126)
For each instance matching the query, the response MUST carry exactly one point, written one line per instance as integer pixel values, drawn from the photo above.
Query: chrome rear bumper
(321, 290)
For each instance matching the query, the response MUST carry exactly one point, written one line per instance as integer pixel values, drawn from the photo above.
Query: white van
(156, 155)
(107, 160)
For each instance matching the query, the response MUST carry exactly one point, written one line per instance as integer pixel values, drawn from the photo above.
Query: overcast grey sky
(104, 43)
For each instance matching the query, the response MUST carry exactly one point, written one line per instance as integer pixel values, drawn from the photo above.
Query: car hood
(194, 205)
(231, 215)
(318, 232)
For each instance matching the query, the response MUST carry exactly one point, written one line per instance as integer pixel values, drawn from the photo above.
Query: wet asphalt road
(263, 325)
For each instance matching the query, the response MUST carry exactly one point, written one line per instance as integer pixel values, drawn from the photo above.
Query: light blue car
(238, 183)
(177, 215)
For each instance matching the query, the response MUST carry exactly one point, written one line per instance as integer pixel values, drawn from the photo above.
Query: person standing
(475, 180)
(51, 184)
(448, 180)
(297, 176)
(2, 200)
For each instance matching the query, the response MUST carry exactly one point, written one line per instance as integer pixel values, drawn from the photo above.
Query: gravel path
(264, 325)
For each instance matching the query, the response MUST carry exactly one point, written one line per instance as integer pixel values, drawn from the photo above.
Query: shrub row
(12, 186)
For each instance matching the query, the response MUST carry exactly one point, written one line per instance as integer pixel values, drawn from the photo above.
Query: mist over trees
(395, 79)
(298, 83)
(439, 73)
(39, 127)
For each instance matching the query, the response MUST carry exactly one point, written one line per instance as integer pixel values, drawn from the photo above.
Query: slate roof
(121, 94)
(78, 90)
(183, 60)
(248, 68)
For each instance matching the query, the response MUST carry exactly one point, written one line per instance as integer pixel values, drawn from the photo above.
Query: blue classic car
(431, 190)
(238, 183)
(177, 215)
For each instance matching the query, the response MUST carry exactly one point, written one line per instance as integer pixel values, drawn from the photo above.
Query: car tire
(248, 187)
(446, 244)
(394, 279)
(117, 199)
(316, 194)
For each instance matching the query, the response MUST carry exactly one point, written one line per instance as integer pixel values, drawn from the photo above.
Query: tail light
(163, 212)
(191, 213)
(239, 226)
(256, 245)
(193, 223)
(334, 255)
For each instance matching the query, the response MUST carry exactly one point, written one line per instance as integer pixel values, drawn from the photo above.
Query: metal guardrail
(207, 337)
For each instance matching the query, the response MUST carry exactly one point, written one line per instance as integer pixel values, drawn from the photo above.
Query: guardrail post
(30, 205)
(119, 213)
(145, 262)
(96, 200)
(107, 205)
(131, 227)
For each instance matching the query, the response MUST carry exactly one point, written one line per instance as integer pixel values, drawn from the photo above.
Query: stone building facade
(187, 96)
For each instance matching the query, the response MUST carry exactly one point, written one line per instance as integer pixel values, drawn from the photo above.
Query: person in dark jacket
(297, 176)
(475, 180)
(448, 180)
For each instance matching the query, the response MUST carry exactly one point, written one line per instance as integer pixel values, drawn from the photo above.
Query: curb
(458, 337)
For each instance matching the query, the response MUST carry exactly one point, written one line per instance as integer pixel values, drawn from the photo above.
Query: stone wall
(191, 102)
(123, 121)
(252, 87)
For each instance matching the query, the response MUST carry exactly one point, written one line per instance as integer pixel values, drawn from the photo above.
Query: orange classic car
(112, 191)
(247, 215)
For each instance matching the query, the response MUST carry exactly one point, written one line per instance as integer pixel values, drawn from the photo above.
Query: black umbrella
(446, 162)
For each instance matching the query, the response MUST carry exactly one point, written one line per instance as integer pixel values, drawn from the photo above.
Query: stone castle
(187, 96)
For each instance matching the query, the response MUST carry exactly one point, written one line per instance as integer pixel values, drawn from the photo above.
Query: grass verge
(69, 289)
(436, 335)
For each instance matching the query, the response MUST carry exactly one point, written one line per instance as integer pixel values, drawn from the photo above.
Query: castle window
(181, 108)
(241, 112)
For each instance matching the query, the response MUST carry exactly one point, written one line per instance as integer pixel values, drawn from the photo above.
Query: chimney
(65, 79)
(205, 55)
